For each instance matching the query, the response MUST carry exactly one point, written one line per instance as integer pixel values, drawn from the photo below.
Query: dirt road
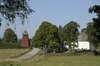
(28, 55)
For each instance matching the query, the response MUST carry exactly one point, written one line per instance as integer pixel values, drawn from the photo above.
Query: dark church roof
(25, 33)
(82, 37)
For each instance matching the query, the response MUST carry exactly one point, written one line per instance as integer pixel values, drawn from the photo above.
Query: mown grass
(56, 60)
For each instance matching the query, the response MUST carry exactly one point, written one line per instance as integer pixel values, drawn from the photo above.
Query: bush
(5, 45)
(73, 54)
(98, 50)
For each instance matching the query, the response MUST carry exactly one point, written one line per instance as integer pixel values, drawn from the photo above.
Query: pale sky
(57, 12)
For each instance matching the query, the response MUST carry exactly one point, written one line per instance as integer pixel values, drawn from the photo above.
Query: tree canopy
(52, 37)
(71, 32)
(95, 9)
(61, 34)
(91, 32)
(9, 36)
(94, 32)
(46, 36)
(83, 30)
(40, 36)
(10, 9)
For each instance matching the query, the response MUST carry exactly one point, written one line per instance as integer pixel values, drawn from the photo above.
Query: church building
(82, 43)
(25, 39)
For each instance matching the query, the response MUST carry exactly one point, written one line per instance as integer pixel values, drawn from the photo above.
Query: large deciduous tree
(71, 32)
(10, 9)
(9, 36)
(91, 32)
(94, 33)
(84, 30)
(61, 34)
(40, 36)
(52, 37)
(46, 36)
(0, 39)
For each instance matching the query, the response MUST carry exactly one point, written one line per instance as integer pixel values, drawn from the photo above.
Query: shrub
(5, 45)
(98, 50)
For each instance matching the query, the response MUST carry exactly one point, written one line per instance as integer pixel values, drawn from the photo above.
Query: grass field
(52, 60)
(9, 53)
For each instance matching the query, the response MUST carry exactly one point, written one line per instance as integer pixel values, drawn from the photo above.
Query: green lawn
(60, 61)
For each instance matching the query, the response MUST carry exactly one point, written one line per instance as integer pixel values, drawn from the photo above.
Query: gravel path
(28, 55)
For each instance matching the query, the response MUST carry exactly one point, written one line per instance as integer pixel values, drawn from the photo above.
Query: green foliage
(91, 32)
(31, 44)
(40, 36)
(71, 32)
(9, 36)
(53, 44)
(41, 43)
(10, 9)
(93, 29)
(83, 30)
(98, 51)
(61, 34)
(9, 40)
(95, 9)
(46, 36)
(52, 36)
(0, 39)
(6, 45)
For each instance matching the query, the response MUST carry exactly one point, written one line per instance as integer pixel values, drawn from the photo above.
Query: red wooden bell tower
(25, 40)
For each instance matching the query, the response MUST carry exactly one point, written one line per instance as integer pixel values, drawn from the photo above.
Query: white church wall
(83, 45)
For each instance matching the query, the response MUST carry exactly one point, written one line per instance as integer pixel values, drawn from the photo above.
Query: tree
(71, 30)
(95, 9)
(0, 39)
(46, 36)
(96, 24)
(52, 39)
(91, 32)
(61, 34)
(9, 36)
(10, 9)
(40, 36)
(83, 30)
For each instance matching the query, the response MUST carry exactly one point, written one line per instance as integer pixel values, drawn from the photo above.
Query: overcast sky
(58, 12)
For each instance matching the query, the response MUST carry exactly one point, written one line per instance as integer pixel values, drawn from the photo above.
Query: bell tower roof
(25, 33)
